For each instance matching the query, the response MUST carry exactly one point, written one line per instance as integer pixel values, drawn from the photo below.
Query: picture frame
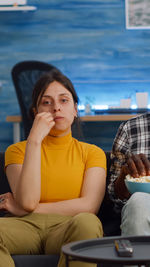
(137, 13)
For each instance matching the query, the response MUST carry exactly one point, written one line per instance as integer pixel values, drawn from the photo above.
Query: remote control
(123, 247)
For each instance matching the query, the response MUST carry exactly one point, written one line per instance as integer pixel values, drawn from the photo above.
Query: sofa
(109, 219)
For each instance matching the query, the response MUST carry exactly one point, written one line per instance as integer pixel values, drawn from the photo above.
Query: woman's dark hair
(42, 84)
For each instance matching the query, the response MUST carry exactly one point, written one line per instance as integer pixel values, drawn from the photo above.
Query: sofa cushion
(110, 220)
(35, 260)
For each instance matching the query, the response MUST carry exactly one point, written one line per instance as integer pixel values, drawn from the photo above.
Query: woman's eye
(64, 100)
(46, 103)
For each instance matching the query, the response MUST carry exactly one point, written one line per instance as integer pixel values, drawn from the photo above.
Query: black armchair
(24, 76)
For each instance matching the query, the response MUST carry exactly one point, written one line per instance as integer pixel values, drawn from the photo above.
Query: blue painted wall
(86, 39)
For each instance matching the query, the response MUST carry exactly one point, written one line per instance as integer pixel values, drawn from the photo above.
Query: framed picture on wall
(137, 14)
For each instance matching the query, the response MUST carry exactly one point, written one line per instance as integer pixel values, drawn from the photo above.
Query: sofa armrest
(4, 186)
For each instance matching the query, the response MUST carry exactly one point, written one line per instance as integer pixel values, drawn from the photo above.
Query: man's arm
(119, 154)
(125, 162)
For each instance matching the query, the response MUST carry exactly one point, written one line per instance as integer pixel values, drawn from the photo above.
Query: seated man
(131, 155)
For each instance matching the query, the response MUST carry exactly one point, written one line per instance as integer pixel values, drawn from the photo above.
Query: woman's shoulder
(20, 146)
(89, 147)
(14, 154)
(93, 156)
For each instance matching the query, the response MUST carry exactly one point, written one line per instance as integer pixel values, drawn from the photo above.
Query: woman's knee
(87, 225)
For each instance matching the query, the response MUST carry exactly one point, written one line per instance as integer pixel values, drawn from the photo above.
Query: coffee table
(102, 250)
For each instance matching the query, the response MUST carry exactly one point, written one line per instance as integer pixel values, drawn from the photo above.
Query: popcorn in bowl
(141, 184)
(142, 179)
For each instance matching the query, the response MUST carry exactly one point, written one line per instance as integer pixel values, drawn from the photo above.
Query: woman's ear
(34, 111)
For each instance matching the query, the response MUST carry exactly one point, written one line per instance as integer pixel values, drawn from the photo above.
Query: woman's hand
(42, 125)
(7, 203)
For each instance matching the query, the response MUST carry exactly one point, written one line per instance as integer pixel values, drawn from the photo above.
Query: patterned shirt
(133, 136)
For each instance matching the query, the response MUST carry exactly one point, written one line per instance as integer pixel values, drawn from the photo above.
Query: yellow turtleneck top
(64, 161)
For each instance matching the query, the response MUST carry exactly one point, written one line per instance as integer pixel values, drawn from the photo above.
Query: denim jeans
(135, 216)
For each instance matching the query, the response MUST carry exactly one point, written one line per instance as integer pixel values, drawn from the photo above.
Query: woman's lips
(58, 118)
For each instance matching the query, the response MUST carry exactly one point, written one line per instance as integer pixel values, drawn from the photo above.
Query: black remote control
(123, 247)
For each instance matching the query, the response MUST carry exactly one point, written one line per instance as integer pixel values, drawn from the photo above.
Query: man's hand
(136, 165)
(8, 203)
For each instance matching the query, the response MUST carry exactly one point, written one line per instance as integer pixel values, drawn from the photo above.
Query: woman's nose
(56, 107)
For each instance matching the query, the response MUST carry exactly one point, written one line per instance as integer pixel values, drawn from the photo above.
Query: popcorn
(142, 179)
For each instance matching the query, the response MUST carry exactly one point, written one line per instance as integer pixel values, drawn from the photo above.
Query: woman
(57, 182)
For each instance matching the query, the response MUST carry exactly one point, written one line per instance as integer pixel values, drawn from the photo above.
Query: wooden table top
(110, 117)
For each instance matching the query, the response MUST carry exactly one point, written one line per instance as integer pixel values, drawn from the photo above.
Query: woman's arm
(25, 180)
(8, 204)
(92, 194)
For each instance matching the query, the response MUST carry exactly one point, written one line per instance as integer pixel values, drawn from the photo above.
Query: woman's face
(59, 102)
